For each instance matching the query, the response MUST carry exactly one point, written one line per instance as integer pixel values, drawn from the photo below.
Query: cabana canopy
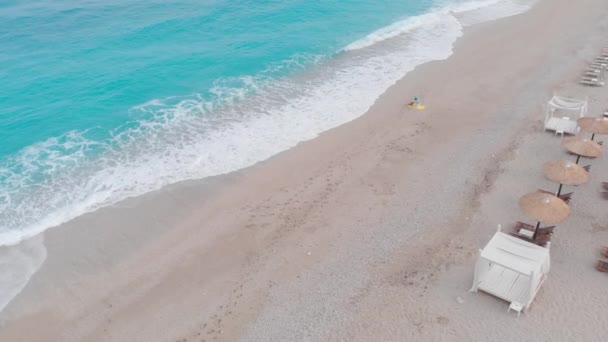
(511, 269)
(562, 113)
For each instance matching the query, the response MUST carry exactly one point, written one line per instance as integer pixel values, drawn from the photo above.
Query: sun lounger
(591, 76)
(566, 197)
(541, 230)
(541, 240)
(601, 266)
(598, 65)
(592, 83)
(519, 226)
(524, 229)
(546, 230)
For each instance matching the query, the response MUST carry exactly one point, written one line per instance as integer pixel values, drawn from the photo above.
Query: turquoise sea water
(105, 100)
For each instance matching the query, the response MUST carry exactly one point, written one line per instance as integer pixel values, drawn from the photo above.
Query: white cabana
(511, 269)
(562, 113)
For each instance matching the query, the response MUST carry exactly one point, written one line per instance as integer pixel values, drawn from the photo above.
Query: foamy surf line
(193, 137)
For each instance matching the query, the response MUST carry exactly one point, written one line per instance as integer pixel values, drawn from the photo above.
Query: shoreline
(413, 46)
(302, 236)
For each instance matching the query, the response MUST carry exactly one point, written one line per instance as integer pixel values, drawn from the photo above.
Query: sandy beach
(369, 232)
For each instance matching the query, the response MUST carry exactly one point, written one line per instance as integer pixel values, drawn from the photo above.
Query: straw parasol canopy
(544, 207)
(594, 125)
(582, 147)
(565, 172)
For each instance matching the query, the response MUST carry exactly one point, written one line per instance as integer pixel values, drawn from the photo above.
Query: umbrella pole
(578, 157)
(536, 231)
(559, 191)
(592, 136)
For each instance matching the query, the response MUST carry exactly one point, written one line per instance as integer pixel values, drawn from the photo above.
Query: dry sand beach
(368, 233)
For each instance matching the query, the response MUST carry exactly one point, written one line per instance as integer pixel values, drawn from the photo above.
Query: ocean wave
(476, 12)
(395, 30)
(240, 122)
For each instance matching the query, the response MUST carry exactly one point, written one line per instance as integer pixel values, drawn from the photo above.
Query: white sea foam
(395, 30)
(476, 12)
(244, 121)
(467, 12)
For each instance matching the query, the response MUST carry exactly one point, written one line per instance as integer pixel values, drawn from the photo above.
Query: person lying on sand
(414, 103)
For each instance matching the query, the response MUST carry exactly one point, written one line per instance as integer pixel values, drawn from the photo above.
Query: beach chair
(540, 240)
(593, 73)
(602, 266)
(566, 197)
(519, 226)
(591, 83)
(598, 65)
(591, 77)
(546, 230)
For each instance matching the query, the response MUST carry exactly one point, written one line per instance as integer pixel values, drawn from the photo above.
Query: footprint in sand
(442, 320)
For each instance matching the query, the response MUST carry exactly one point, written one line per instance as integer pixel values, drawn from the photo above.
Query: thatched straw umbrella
(582, 147)
(593, 125)
(565, 172)
(545, 208)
